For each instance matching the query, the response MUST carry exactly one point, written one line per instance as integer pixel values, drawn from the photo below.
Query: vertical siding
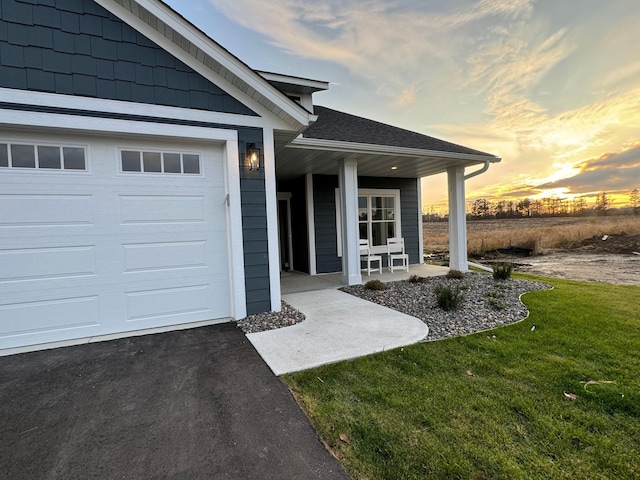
(254, 227)
(76, 47)
(325, 217)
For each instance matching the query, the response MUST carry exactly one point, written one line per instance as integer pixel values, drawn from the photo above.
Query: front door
(284, 232)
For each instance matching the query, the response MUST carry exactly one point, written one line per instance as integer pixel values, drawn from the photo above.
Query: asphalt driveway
(192, 404)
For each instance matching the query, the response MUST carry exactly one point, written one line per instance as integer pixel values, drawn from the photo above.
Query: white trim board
(370, 191)
(54, 100)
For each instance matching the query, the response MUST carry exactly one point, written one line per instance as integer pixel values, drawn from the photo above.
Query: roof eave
(351, 147)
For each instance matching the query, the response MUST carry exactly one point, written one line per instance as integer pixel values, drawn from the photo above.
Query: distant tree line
(544, 207)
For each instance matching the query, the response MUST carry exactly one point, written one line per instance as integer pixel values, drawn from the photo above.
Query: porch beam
(348, 183)
(457, 220)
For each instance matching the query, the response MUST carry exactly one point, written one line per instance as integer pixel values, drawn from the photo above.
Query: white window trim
(37, 170)
(199, 153)
(383, 192)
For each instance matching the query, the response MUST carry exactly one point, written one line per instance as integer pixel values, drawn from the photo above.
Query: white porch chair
(395, 252)
(365, 255)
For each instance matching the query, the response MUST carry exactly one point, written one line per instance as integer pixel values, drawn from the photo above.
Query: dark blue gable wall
(76, 47)
(324, 202)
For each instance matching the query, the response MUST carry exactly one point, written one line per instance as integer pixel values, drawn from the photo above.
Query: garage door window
(42, 157)
(159, 162)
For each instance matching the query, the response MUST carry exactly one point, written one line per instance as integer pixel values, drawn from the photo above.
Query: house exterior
(151, 180)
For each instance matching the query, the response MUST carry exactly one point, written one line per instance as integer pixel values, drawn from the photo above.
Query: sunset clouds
(551, 87)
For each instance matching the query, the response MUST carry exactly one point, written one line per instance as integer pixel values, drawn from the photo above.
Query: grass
(492, 405)
(539, 234)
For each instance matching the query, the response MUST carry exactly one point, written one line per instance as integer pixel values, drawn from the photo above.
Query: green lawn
(492, 405)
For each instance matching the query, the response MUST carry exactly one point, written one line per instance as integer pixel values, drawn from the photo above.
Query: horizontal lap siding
(324, 205)
(324, 186)
(76, 47)
(254, 227)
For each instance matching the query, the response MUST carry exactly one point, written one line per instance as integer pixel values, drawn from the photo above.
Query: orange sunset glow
(553, 88)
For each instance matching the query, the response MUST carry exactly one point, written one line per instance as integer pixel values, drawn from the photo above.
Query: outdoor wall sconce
(252, 157)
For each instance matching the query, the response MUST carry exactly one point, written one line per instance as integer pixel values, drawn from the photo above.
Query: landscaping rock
(487, 303)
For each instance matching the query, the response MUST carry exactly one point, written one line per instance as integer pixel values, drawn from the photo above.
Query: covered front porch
(347, 179)
(295, 282)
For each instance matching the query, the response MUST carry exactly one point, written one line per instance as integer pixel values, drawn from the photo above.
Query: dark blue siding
(324, 206)
(76, 47)
(299, 224)
(254, 227)
(324, 186)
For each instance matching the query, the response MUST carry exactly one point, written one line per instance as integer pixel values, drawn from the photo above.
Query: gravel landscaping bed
(487, 303)
(260, 322)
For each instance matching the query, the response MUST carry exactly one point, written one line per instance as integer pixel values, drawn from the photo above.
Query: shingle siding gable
(76, 47)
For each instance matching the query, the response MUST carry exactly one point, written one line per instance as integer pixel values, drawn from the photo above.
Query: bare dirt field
(582, 248)
(623, 269)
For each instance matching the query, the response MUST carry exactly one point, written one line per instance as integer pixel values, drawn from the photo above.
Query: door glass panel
(152, 162)
(391, 230)
(23, 156)
(381, 232)
(363, 213)
(4, 156)
(130, 161)
(376, 208)
(363, 230)
(74, 158)
(172, 163)
(49, 157)
(191, 163)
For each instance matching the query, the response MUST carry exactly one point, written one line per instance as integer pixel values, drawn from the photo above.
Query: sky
(550, 86)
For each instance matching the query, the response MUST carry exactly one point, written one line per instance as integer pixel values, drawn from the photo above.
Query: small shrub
(375, 285)
(494, 294)
(496, 304)
(415, 279)
(455, 274)
(502, 270)
(448, 298)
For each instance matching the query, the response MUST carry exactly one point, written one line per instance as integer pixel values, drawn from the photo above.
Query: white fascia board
(317, 85)
(236, 69)
(78, 123)
(55, 100)
(352, 147)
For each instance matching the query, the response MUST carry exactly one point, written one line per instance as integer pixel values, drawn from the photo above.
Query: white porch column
(348, 183)
(457, 220)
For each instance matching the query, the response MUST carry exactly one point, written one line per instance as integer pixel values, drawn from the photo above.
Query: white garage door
(102, 236)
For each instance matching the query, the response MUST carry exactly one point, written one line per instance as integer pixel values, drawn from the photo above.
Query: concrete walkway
(338, 327)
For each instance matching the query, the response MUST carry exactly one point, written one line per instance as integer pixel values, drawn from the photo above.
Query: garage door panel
(49, 320)
(146, 257)
(166, 303)
(30, 210)
(161, 209)
(21, 264)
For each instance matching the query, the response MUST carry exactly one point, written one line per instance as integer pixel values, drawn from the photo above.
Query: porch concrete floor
(338, 326)
(294, 282)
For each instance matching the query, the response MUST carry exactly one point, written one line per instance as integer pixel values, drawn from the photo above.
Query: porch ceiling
(302, 156)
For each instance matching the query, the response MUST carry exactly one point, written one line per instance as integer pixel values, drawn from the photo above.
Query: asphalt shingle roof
(344, 127)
